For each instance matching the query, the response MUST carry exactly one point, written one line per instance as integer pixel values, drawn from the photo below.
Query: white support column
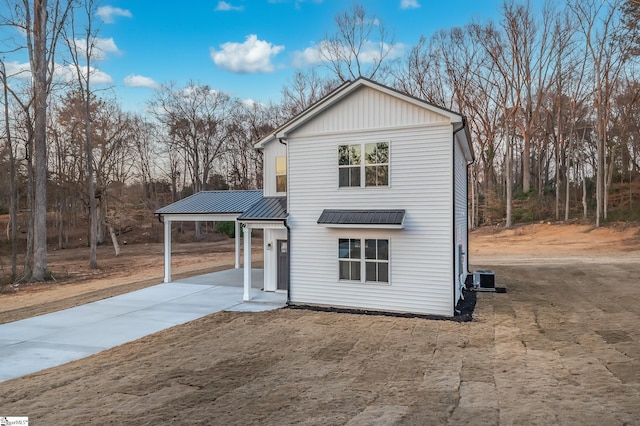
(237, 244)
(167, 251)
(247, 264)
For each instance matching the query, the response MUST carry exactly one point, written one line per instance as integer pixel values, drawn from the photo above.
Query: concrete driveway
(45, 341)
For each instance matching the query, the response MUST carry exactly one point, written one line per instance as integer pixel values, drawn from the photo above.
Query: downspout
(456, 277)
(464, 122)
(286, 225)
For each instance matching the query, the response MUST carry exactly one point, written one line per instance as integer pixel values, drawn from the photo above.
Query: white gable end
(369, 109)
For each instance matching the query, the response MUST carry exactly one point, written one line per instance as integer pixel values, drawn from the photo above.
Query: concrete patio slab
(53, 339)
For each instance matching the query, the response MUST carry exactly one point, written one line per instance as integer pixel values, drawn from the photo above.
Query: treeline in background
(551, 95)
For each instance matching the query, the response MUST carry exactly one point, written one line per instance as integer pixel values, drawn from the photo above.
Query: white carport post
(237, 244)
(167, 250)
(247, 264)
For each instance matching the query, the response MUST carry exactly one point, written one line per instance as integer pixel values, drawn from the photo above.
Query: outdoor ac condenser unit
(484, 279)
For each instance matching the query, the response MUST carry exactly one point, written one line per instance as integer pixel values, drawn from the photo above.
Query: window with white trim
(281, 174)
(354, 170)
(370, 265)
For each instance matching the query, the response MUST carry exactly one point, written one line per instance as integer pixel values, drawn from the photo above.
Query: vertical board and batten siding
(368, 109)
(270, 152)
(421, 182)
(461, 219)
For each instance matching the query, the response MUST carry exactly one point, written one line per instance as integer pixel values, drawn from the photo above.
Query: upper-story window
(281, 174)
(370, 169)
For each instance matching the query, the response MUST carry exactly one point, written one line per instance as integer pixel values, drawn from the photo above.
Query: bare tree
(82, 51)
(41, 24)
(607, 45)
(359, 46)
(305, 89)
(13, 208)
(195, 119)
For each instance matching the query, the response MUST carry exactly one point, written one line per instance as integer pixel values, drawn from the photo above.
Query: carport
(207, 206)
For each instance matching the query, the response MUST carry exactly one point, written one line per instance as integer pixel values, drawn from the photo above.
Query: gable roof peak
(341, 92)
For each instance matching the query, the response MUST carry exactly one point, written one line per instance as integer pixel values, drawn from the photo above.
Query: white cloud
(409, 4)
(133, 80)
(68, 73)
(223, 6)
(108, 13)
(369, 53)
(101, 47)
(18, 69)
(309, 56)
(65, 73)
(252, 56)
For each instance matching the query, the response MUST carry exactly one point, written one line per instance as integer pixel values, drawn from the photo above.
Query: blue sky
(247, 48)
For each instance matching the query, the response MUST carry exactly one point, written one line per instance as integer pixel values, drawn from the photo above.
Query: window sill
(365, 283)
(363, 187)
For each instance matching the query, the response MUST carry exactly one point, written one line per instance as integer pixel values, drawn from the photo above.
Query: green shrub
(227, 228)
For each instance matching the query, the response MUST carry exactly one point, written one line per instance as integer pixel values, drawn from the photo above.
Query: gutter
(286, 225)
(463, 126)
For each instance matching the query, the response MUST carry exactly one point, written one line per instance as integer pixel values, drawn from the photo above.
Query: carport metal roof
(213, 203)
(269, 208)
(207, 206)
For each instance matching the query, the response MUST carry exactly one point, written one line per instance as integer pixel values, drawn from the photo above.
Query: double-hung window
(281, 174)
(370, 265)
(365, 164)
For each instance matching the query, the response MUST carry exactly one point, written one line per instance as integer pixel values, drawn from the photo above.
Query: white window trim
(362, 167)
(363, 266)
(286, 174)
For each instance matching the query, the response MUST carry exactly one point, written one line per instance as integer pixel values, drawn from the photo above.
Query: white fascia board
(203, 217)
(265, 224)
(363, 226)
(462, 137)
(262, 142)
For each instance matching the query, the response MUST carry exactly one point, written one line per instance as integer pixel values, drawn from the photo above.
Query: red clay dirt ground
(560, 347)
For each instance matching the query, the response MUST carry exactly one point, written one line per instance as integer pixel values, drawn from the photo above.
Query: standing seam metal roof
(269, 208)
(361, 217)
(214, 202)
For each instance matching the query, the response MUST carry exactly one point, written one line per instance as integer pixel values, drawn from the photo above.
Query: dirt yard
(560, 347)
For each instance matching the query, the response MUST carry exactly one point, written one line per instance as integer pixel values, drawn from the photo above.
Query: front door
(283, 264)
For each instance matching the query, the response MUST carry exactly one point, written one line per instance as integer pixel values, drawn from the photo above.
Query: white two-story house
(365, 204)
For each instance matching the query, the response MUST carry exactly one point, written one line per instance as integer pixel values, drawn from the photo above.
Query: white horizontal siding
(367, 108)
(420, 258)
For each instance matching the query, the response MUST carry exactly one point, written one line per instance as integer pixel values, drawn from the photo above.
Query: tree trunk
(12, 234)
(526, 163)
(508, 170)
(566, 177)
(100, 237)
(114, 239)
(599, 171)
(608, 180)
(39, 71)
(93, 216)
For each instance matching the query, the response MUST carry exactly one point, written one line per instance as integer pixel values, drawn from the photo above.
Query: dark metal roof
(361, 217)
(269, 208)
(214, 202)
